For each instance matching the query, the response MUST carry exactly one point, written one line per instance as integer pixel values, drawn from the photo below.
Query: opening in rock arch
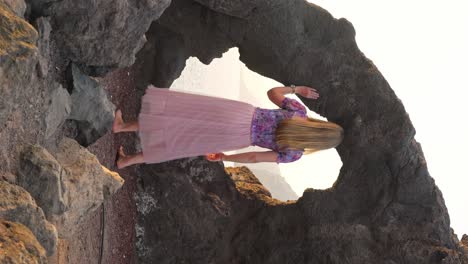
(229, 78)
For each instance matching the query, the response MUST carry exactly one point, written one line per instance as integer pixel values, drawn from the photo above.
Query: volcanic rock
(67, 188)
(58, 110)
(19, 245)
(44, 28)
(17, 37)
(17, 6)
(384, 206)
(100, 34)
(189, 199)
(92, 112)
(41, 175)
(16, 205)
(247, 184)
(270, 176)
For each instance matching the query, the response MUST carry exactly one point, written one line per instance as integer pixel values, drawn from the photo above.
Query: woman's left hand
(307, 92)
(215, 156)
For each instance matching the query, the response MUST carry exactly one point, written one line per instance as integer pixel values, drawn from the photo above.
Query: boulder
(69, 187)
(19, 245)
(17, 205)
(111, 34)
(92, 113)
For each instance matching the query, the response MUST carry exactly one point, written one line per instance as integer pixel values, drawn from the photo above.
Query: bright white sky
(421, 48)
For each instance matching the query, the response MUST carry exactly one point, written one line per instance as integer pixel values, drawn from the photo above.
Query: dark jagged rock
(19, 245)
(384, 206)
(191, 198)
(100, 34)
(92, 112)
(162, 58)
(16, 205)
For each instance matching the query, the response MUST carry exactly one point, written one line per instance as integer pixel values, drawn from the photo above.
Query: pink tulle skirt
(177, 125)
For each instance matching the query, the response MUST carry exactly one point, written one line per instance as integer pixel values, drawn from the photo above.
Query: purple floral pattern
(265, 122)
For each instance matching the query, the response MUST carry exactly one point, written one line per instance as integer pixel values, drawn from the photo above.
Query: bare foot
(118, 122)
(122, 160)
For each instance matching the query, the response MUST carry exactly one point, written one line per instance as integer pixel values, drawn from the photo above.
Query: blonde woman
(176, 125)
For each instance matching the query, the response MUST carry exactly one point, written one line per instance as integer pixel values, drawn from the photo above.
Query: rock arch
(384, 206)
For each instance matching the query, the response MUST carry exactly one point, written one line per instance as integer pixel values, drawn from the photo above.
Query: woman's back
(265, 122)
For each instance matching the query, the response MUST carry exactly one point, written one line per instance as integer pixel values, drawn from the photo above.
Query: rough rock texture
(162, 59)
(59, 109)
(42, 176)
(44, 28)
(19, 245)
(270, 177)
(31, 67)
(92, 112)
(464, 242)
(100, 33)
(87, 184)
(248, 185)
(67, 188)
(17, 37)
(16, 205)
(183, 207)
(24, 96)
(17, 6)
(384, 206)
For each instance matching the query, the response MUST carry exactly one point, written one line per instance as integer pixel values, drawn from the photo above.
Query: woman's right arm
(276, 95)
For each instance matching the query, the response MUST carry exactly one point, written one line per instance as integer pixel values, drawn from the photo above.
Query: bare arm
(276, 95)
(247, 157)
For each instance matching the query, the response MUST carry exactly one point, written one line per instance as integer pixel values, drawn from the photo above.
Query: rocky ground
(108, 234)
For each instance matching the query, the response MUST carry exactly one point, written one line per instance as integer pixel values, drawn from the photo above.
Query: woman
(176, 125)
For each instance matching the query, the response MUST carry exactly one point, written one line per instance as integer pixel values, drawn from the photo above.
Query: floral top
(265, 122)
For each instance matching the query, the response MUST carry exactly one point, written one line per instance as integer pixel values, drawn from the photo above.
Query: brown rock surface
(19, 245)
(16, 205)
(68, 188)
(86, 184)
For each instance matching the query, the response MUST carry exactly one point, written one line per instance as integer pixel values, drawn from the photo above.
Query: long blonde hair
(309, 134)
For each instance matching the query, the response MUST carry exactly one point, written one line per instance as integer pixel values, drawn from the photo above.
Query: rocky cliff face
(61, 182)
